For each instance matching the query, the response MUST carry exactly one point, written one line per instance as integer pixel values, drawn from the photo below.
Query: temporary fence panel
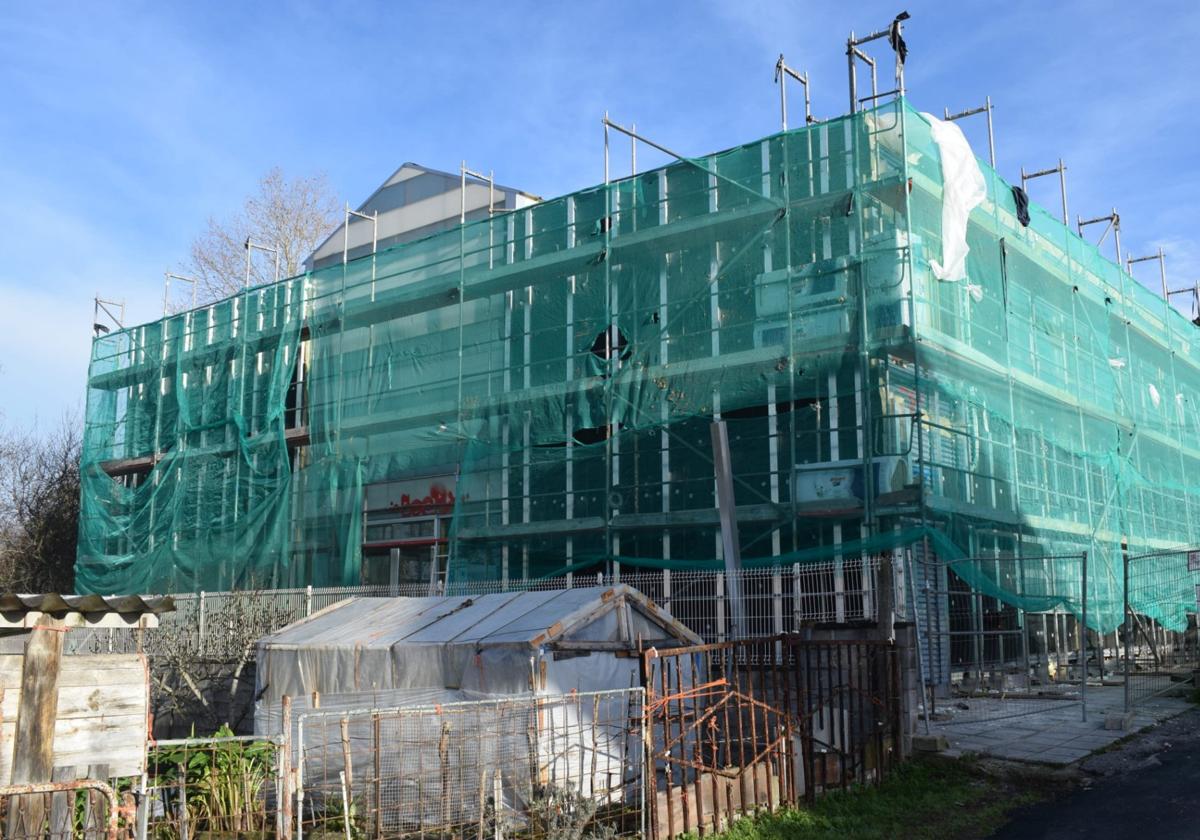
(1160, 640)
(983, 657)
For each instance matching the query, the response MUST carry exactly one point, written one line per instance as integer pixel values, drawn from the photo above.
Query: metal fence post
(1023, 619)
(308, 600)
(1083, 640)
(143, 809)
(777, 601)
(976, 602)
(200, 627)
(797, 603)
(720, 606)
(1128, 631)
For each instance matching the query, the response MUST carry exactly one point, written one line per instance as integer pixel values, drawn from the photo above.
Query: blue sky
(124, 126)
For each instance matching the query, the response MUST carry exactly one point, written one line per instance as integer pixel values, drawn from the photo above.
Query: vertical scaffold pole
(1083, 637)
(1128, 627)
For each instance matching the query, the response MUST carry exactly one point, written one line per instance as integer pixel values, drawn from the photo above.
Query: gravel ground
(1144, 750)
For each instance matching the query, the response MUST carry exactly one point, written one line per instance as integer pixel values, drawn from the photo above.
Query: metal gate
(758, 723)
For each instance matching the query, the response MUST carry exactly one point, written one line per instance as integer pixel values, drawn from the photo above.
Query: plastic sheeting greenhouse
(531, 394)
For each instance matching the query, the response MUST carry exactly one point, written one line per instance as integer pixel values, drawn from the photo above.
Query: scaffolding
(531, 394)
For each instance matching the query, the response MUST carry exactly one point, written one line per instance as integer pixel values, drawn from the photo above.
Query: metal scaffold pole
(1083, 638)
(1127, 628)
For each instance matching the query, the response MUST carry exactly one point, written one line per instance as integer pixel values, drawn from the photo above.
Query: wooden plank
(101, 701)
(107, 738)
(103, 669)
(116, 745)
(95, 812)
(33, 742)
(87, 669)
(62, 805)
(102, 711)
(87, 701)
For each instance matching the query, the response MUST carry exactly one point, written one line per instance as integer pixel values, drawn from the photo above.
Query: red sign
(439, 500)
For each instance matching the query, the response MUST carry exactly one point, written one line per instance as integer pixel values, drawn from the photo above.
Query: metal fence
(1160, 644)
(987, 659)
(86, 809)
(537, 767)
(714, 731)
(759, 723)
(224, 625)
(213, 787)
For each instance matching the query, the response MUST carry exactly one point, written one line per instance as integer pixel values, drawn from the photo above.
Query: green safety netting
(552, 373)
(198, 397)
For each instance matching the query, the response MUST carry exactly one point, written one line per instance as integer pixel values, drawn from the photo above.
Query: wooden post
(285, 769)
(95, 816)
(62, 805)
(37, 710)
(347, 758)
(378, 774)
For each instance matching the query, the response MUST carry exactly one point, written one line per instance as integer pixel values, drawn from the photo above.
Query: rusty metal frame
(42, 788)
(752, 703)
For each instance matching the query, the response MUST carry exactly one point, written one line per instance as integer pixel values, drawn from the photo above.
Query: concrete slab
(1049, 734)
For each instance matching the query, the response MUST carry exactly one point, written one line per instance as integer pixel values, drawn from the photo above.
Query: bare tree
(291, 214)
(200, 682)
(39, 508)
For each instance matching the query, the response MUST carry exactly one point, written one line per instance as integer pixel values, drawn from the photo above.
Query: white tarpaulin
(963, 188)
(513, 693)
(482, 646)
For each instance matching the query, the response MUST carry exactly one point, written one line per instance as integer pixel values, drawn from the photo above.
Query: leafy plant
(336, 817)
(223, 781)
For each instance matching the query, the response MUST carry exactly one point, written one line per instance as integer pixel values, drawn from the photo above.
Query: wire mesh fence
(225, 625)
(987, 658)
(538, 767)
(1161, 642)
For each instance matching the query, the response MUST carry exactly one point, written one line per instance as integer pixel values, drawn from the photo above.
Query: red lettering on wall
(440, 500)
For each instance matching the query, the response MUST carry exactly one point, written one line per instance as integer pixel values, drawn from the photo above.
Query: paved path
(1055, 734)
(1149, 789)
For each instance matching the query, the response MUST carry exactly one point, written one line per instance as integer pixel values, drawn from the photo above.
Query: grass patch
(931, 798)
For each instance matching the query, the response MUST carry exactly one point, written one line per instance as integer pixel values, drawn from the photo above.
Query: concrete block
(930, 743)
(1118, 722)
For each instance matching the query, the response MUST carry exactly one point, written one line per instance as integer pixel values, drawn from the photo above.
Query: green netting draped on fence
(532, 393)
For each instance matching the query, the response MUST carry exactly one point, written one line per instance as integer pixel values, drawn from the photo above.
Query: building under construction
(904, 355)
